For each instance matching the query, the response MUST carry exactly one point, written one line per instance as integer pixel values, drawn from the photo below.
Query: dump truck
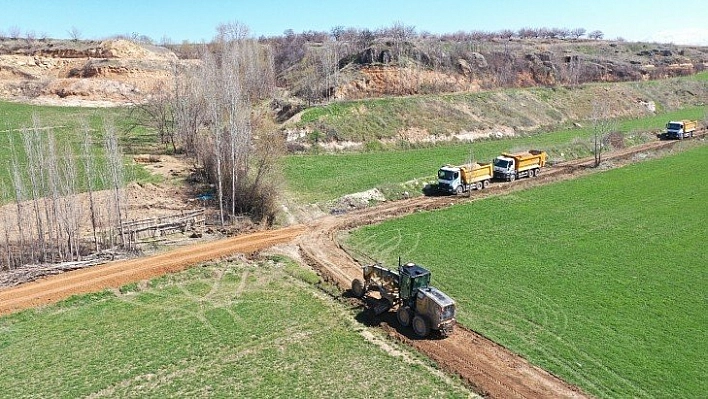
(419, 305)
(463, 178)
(510, 167)
(680, 129)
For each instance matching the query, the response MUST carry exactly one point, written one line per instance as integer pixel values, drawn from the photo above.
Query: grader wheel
(403, 314)
(420, 327)
(358, 289)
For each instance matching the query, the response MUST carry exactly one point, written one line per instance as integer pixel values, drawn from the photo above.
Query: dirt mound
(128, 49)
(117, 71)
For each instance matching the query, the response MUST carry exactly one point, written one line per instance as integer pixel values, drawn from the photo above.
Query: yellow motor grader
(418, 304)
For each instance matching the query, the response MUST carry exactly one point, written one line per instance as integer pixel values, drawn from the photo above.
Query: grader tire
(403, 314)
(358, 289)
(420, 327)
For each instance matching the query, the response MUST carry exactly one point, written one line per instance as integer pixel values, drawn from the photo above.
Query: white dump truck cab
(676, 130)
(504, 168)
(449, 179)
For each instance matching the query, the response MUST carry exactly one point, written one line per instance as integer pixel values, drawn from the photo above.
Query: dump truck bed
(528, 160)
(476, 172)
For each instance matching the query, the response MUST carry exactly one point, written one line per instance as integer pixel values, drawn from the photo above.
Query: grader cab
(418, 304)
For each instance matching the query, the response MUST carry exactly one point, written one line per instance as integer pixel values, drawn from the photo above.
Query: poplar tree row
(54, 189)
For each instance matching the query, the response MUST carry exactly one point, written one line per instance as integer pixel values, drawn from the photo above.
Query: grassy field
(232, 330)
(323, 177)
(601, 280)
(65, 122)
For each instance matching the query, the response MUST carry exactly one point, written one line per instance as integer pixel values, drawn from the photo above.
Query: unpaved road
(117, 274)
(490, 368)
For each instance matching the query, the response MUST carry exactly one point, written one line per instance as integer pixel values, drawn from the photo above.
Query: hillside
(495, 113)
(82, 73)
(315, 68)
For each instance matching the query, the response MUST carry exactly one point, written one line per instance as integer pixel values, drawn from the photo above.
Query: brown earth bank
(486, 366)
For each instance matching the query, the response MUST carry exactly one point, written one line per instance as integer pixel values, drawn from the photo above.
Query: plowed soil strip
(116, 274)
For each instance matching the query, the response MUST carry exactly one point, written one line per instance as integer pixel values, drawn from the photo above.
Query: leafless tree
(506, 34)
(576, 33)
(602, 126)
(18, 183)
(212, 94)
(71, 211)
(7, 253)
(596, 35)
(89, 165)
(14, 32)
(74, 34)
(116, 179)
(33, 150)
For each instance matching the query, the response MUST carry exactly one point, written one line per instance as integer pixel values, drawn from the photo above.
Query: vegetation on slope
(600, 280)
(518, 110)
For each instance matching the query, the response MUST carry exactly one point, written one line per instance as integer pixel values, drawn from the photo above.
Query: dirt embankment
(112, 72)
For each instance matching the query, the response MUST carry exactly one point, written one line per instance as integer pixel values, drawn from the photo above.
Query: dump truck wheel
(358, 288)
(485, 184)
(403, 314)
(512, 177)
(420, 327)
(458, 190)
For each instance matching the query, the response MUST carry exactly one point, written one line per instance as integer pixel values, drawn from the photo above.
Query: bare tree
(577, 33)
(89, 165)
(32, 145)
(14, 32)
(212, 109)
(18, 183)
(602, 126)
(116, 179)
(7, 253)
(596, 35)
(212, 91)
(74, 34)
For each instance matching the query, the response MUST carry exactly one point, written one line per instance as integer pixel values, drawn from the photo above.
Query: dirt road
(117, 274)
(490, 368)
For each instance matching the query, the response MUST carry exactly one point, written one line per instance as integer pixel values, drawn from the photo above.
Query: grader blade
(381, 306)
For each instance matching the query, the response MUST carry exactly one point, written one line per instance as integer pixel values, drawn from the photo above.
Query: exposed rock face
(116, 70)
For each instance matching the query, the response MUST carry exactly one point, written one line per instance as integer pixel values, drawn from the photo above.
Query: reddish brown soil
(488, 367)
(117, 274)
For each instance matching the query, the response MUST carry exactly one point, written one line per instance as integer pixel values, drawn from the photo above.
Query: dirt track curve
(490, 368)
(117, 274)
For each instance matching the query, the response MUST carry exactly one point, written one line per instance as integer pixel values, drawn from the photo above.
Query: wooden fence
(163, 225)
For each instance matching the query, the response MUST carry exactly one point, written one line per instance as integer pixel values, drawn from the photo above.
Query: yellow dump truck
(463, 178)
(680, 129)
(510, 167)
